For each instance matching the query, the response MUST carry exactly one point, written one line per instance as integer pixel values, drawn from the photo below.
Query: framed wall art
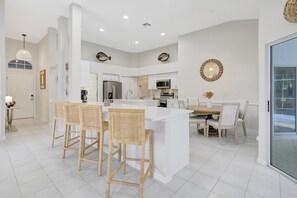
(43, 79)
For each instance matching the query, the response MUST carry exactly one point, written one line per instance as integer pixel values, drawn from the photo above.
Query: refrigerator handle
(113, 92)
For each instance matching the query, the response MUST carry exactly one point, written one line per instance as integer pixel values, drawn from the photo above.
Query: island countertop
(151, 113)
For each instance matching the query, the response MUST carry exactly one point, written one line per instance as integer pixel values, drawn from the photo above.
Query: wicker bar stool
(71, 119)
(126, 126)
(91, 120)
(57, 115)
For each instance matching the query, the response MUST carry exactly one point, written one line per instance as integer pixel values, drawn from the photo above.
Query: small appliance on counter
(83, 95)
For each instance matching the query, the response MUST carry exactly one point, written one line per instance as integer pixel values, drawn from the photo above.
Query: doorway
(21, 87)
(283, 133)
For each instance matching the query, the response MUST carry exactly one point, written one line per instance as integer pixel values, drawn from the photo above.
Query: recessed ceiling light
(101, 30)
(136, 42)
(125, 17)
(162, 34)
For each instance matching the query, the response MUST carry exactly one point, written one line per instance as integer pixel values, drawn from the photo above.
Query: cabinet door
(174, 82)
(130, 88)
(152, 82)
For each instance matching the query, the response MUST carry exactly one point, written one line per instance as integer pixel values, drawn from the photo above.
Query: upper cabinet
(152, 82)
(172, 76)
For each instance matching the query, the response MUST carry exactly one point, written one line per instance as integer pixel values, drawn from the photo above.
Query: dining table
(208, 112)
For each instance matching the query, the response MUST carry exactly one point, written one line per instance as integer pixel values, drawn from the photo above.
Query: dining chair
(227, 120)
(58, 115)
(91, 120)
(193, 101)
(126, 126)
(242, 113)
(193, 119)
(71, 121)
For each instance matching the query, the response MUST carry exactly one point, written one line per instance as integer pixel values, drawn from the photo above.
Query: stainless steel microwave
(163, 84)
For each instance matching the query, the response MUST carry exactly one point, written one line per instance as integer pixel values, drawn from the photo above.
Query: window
(19, 64)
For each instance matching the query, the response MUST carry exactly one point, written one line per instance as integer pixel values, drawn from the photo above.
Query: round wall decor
(211, 70)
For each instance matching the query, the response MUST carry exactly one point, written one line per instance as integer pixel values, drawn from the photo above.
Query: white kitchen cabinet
(152, 82)
(172, 76)
(174, 81)
(110, 77)
(129, 88)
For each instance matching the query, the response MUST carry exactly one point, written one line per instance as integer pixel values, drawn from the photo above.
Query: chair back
(90, 117)
(126, 126)
(71, 113)
(192, 101)
(243, 108)
(229, 114)
(58, 111)
(181, 104)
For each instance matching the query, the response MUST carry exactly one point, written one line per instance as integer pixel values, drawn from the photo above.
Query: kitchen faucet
(128, 94)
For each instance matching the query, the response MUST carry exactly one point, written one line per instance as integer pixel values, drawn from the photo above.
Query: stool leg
(54, 133)
(65, 141)
(81, 148)
(151, 155)
(108, 176)
(120, 152)
(100, 142)
(124, 158)
(141, 171)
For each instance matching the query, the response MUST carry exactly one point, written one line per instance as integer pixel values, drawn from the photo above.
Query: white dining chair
(193, 119)
(193, 101)
(227, 120)
(242, 113)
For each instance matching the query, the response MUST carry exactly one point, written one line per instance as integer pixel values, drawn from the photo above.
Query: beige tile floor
(29, 167)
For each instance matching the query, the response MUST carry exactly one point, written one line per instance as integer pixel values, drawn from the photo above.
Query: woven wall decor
(290, 11)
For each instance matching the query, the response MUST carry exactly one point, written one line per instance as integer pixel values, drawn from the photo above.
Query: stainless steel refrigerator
(112, 90)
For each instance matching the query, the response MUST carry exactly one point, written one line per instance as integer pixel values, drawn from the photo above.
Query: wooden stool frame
(126, 126)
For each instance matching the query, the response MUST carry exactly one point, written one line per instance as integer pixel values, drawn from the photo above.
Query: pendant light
(24, 54)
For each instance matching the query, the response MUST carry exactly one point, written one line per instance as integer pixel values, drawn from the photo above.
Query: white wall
(118, 57)
(150, 57)
(2, 69)
(272, 27)
(235, 44)
(42, 99)
(47, 58)
(12, 46)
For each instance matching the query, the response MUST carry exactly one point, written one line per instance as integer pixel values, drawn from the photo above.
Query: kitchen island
(170, 139)
(153, 103)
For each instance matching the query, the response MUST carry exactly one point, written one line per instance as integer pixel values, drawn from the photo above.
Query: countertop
(152, 113)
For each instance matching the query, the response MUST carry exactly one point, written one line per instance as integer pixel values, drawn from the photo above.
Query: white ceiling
(174, 17)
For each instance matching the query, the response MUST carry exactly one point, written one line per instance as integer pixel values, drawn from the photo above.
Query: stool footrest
(125, 183)
(58, 137)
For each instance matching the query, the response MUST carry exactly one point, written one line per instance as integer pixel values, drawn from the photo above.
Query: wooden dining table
(204, 110)
(208, 112)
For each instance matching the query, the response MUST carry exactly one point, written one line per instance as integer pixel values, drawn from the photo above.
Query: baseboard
(262, 162)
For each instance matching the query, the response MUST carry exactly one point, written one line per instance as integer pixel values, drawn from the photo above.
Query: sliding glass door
(283, 107)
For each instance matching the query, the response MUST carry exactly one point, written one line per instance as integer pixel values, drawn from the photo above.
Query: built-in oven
(163, 84)
(163, 98)
(162, 102)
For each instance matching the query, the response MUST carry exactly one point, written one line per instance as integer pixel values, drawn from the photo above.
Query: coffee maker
(83, 95)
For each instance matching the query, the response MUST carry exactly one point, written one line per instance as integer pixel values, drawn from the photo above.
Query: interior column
(63, 58)
(74, 32)
(2, 70)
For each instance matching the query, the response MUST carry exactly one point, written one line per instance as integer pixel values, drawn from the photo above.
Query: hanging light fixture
(24, 54)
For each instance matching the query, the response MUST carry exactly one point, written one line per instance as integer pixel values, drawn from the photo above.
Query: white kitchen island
(152, 103)
(171, 139)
